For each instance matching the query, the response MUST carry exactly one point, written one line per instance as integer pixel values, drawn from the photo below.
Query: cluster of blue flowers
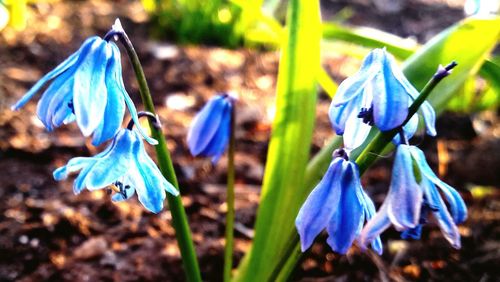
(378, 95)
(88, 88)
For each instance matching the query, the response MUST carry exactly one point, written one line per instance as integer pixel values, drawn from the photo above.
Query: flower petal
(114, 164)
(369, 212)
(390, 102)
(220, 139)
(319, 206)
(115, 106)
(152, 193)
(61, 68)
(354, 85)
(356, 132)
(374, 227)
(405, 195)
(400, 77)
(443, 217)
(412, 233)
(343, 226)
(205, 125)
(89, 90)
(429, 118)
(75, 164)
(51, 98)
(340, 114)
(457, 204)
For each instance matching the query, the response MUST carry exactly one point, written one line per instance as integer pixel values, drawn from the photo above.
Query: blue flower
(413, 195)
(86, 87)
(209, 132)
(125, 165)
(378, 94)
(339, 204)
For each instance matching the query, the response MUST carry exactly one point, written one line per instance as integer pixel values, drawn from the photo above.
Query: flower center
(71, 106)
(367, 115)
(340, 153)
(118, 187)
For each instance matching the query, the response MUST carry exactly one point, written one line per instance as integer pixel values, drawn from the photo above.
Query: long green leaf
(289, 148)
(370, 37)
(468, 42)
(490, 71)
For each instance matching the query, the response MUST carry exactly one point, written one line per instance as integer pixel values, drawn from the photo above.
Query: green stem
(228, 251)
(292, 253)
(179, 218)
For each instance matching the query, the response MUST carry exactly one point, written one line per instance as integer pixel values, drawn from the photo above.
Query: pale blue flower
(413, 195)
(124, 164)
(339, 204)
(378, 94)
(86, 87)
(208, 135)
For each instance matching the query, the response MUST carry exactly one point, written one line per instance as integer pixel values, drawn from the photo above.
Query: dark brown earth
(49, 234)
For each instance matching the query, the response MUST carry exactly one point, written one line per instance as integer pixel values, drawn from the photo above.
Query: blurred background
(191, 50)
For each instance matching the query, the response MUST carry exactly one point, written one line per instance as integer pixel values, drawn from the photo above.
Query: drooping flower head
(339, 204)
(86, 87)
(208, 135)
(125, 165)
(378, 94)
(413, 195)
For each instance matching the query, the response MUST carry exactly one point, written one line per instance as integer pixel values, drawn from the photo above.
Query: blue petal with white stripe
(339, 204)
(86, 88)
(209, 132)
(125, 165)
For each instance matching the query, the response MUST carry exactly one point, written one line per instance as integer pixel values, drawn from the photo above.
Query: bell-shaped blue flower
(412, 196)
(86, 87)
(208, 135)
(124, 165)
(339, 204)
(378, 94)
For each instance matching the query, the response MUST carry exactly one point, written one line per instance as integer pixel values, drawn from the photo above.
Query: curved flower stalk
(124, 165)
(413, 195)
(86, 87)
(339, 204)
(378, 94)
(208, 135)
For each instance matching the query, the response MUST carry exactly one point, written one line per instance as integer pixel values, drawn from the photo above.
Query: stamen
(367, 115)
(340, 153)
(71, 106)
(115, 187)
(118, 187)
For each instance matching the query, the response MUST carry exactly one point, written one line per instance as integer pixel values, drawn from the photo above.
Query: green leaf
(289, 148)
(490, 71)
(370, 37)
(468, 42)
(327, 83)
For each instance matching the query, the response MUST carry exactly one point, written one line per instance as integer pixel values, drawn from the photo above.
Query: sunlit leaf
(289, 147)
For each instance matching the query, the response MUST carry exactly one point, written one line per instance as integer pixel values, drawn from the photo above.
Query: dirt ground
(49, 234)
